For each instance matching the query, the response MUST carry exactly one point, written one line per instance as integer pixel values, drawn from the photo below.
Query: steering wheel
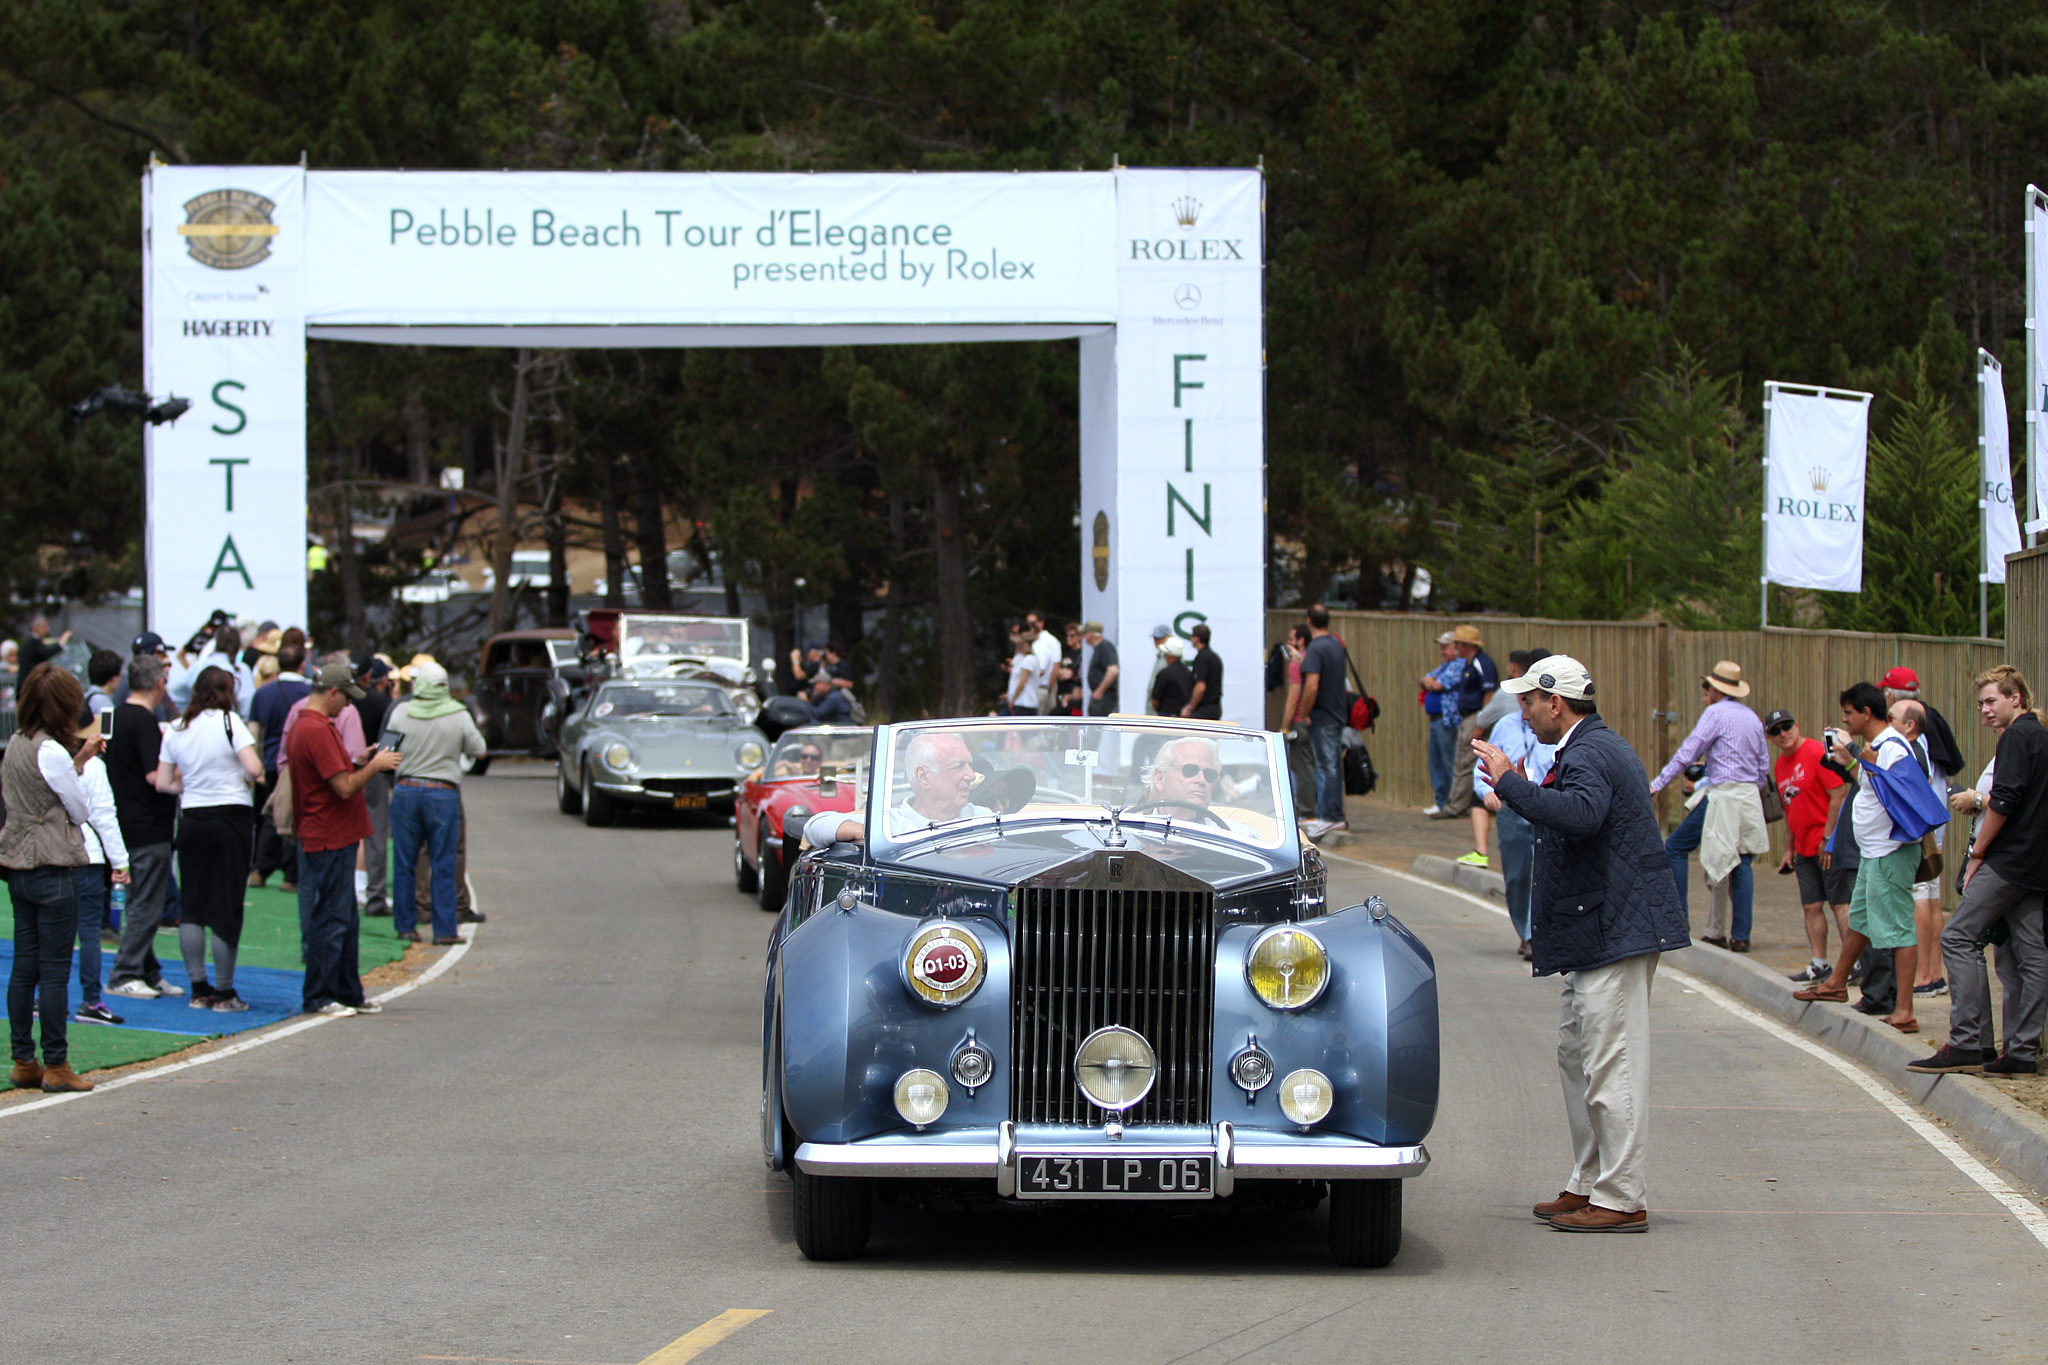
(1211, 816)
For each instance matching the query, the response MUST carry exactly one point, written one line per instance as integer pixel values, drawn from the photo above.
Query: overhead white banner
(224, 253)
(603, 249)
(1815, 446)
(1173, 431)
(2037, 360)
(2001, 524)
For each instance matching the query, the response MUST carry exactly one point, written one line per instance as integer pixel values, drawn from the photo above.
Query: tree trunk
(614, 535)
(890, 672)
(954, 627)
(341, 467)
(509, 459)
(555, 527)
(649, 534)
(418, 431)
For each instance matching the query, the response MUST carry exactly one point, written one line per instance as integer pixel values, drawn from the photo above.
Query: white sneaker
(368, 1007)
(1315, 829)
(334, 1009)
(135, 990)
(1433, 811)
(167, 989)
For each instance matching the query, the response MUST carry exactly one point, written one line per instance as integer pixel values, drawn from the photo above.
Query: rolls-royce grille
(1088, 959)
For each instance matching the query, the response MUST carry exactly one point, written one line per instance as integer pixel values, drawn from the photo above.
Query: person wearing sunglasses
(1186, 771)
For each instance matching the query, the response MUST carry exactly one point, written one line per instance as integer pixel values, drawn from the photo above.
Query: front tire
(833, 1213)
(1365, 1222)
(567, 799)
(774, 880)
(597, 805)
(743, 875)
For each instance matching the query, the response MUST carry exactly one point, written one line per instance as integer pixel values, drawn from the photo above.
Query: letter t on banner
(1815, 447)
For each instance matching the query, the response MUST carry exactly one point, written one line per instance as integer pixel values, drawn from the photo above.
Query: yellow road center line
(698, 1340)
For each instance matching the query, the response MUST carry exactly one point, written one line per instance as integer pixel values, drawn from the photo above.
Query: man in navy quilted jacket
(1602, 908)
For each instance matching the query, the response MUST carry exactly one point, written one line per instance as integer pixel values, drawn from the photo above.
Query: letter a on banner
(2001, 525)
(1815, 446)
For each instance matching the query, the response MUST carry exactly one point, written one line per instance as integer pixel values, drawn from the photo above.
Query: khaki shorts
(1881, 906)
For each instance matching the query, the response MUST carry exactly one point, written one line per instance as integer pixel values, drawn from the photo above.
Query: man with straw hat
(1476, 686)
(1725, 819)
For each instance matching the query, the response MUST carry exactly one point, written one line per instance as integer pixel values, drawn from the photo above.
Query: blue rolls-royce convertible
(1056, 959)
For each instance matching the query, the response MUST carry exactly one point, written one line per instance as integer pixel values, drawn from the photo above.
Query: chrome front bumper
(994, 1154)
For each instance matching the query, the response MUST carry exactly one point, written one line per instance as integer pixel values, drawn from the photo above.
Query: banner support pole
(1763, 616)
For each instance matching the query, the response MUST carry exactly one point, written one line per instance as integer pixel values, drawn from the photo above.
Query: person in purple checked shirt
(1725, 814)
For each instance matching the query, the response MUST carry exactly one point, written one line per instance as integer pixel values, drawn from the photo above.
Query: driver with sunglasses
(1187, 771)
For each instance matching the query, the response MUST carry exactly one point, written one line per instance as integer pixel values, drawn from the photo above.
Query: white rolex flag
(2001, 522)
(2037, 357)
(1814, 450)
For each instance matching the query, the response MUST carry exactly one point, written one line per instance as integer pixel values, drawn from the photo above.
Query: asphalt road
(549, 1155)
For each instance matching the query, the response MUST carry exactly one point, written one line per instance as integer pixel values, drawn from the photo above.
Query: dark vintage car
(521, 678)
(1089, 960)
(811, 769)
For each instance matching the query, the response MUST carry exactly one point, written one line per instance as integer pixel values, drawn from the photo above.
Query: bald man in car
(942, 779)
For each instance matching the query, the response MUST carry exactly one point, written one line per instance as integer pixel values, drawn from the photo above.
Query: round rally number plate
(945, 963)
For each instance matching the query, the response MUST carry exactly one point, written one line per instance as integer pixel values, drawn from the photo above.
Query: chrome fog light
(1252, 1069)
(972, 1066)
(921, 1096)
(1306, 1096)
(1115, 1068)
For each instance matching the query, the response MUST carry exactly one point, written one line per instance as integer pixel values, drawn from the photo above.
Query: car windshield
(562, 651)
(804, 753)
(703, 637)
(1221, 781)
(661, 699)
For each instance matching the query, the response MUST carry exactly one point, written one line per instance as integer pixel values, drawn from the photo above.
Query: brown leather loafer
(1566, 1202)
(62, 1080)
(26, 1075)
(1738, 945)
(1821, 990)
(1593, 1218)
(1714, 939)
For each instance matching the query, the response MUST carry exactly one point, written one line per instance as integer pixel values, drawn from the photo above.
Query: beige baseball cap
(1559, 674)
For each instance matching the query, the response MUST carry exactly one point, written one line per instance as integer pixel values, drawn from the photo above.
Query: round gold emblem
(228, 229)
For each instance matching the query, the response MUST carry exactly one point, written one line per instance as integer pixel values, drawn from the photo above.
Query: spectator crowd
(152, 798)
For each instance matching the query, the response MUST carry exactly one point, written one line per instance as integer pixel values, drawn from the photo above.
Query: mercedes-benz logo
(1187, 296)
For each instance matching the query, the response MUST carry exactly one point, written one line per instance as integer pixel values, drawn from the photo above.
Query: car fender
(1373, 1031)
(850, 1025)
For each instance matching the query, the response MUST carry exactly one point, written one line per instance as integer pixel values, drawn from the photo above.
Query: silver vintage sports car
(656, 744)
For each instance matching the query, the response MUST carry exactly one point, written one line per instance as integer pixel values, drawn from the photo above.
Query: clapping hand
(1494, 760)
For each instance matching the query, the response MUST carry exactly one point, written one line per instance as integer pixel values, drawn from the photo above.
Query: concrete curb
(2001, 1128)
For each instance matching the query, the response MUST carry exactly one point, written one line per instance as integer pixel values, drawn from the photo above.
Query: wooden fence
(1648, 677)
(2026, 612)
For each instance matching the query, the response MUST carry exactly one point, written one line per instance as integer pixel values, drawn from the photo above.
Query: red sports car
(813, 768)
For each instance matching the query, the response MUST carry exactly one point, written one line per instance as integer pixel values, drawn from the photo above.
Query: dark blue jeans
(1443, 744)
(327, 919)
(45, 923)
(1325, 746)
(92, 913)
(1517, 865)
(1741, 882)
(431, 816)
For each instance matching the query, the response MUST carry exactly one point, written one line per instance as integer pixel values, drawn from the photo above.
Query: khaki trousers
(1603, 1059)
(1463, 760)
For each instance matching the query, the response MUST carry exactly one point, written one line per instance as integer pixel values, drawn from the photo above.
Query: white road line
(447, 960)
(2025, 1210)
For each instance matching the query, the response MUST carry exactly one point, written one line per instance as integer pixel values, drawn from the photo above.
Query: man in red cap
(1935, 749)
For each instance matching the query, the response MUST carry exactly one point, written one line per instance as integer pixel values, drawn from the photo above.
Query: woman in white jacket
(106, 862)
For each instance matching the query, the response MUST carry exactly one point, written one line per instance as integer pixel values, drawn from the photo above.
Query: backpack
(1360, 777)
(1361, 708)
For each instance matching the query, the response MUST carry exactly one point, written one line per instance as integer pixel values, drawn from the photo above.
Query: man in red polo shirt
(330, 817)
(1811, 792)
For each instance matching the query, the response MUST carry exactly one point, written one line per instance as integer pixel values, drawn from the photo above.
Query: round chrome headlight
(945, 963)
(921, 1096)
(1306, 1096)
(618, 756)
(750, 755)
(1115, 1068)
(1287, 967)
(973, 1064)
